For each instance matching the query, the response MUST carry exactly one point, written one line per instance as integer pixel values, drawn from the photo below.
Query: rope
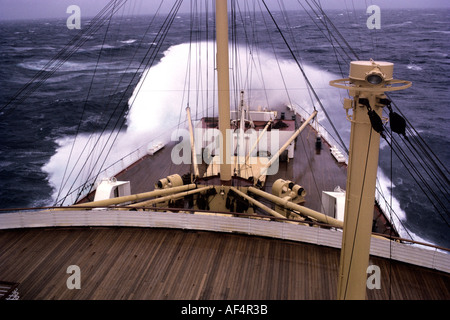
(165, 30)
(85, 104)
(147, 60)
(60, 58)
(306, 78)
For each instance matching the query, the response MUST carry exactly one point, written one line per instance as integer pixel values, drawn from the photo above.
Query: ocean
(38, 129)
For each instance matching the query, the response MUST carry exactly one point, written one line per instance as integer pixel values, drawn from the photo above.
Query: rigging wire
(63, 55)
(426, 150)
(254, 59)
(414, 139)
(390, 209)
(148, 59)
(326, 18)
(336, 30)
(427, 169)
(60, 58)
(85, 104)
(305, 77)
(167, 25)
(422, 145)
(404, 158)
(91, 157)
(291, 34)
(342, 52)
(27, 90)
(390, 217)
(359, 212)
(276, 56)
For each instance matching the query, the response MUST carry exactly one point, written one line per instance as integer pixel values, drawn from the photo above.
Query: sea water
(96, 99)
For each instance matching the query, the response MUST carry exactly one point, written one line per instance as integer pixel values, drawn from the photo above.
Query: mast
(367, 83)
(193, 151)
(223, 89)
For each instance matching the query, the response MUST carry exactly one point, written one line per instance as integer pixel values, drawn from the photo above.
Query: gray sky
(32, 9)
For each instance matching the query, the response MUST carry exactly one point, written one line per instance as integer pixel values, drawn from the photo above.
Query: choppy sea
(36, 132)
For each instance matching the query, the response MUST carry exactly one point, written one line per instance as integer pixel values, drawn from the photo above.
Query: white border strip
(429, 258)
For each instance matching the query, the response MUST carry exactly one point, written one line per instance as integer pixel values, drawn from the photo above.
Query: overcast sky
(32, 9)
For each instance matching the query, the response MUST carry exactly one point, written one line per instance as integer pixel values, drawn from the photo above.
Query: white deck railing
(425, 256)
(109, 172)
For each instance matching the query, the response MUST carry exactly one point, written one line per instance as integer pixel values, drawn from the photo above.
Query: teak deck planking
(315, 172)
(144, 263)
(139, 263)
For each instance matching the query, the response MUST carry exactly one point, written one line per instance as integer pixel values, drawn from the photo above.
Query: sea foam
(158, 104)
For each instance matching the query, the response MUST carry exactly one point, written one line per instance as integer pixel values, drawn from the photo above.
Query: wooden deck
(314, 171)
(145, 263)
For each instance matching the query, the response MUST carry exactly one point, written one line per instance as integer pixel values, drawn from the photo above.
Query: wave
(76, 159)
(109, 47)
(165, 90)
(26, 49)
(159, 100)
(390, 204)
(129, 41)
(158, 104)
(406, 23)
(23, 49)
(47, 65)
(102, 47)
(414, 67)
(70, 66)
(440, 31)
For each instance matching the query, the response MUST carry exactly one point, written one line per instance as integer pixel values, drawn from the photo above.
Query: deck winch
(174, 180)
(288, 189)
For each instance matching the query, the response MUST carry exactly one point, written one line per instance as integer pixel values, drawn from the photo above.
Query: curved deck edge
(217, 222)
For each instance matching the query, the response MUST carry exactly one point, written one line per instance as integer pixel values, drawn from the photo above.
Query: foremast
(223, 82)
(367, 83)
